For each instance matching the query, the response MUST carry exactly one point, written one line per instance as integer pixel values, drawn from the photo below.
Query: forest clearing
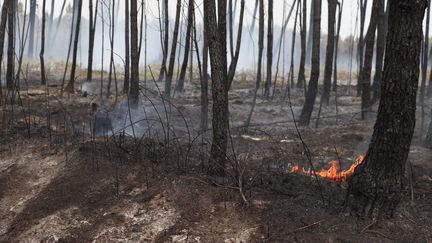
(209, 141)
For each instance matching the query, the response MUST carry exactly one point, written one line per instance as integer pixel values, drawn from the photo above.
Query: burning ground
(65, 186)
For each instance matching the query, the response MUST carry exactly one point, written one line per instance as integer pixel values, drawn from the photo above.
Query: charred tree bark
(127, 50)
(32, 22)
(3, 22)
(10, 68)
(306, 113)
(215, 27)
(380, 51)
(325, 98)
(170, 73)
(260, 54)
(366, 72)
(92, 31)
(71, 85)
(42, 50)
(360, 47)
(428, 139)
(163, 69)
(301, 82)
(180, 82)
(134, 82)
(378, 182)
(204, 84)
(269, 50)
(335, 67)
(233, 66)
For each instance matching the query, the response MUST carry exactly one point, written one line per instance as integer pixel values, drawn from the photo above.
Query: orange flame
(334, 172)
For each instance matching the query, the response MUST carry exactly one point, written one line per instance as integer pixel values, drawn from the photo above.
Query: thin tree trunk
(180, 82)
(424, 66)
(335, 66)
(163, 69)
(11, 47)
(92, 31)
(378, 182)
(301, 74)
(32, 21)
(111, 39)
(127, 50)
(259, 66)
(306, 113)
(170, 73)
(233, 66)
(380, 51)
(365, 77)
(3, 22)
(269, 49)
(360, 48)
(71, 85)
(325, 98)
(134, 87)
(204, 84)
(42, 50)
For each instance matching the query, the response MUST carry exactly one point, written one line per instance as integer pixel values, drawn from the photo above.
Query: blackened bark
(233, 66)
(4, 15)
(167, 92)
(325, 98)
(360, 47)
(204, 85)
(428, 139)
(127, 50)
(378, 183)
(306, 113)
(92, 31)
(134, 82)
(216, 31)
(269, 49)
(365, 74)
(71, 85)
(335, 65)
(380, 51)
(11, 46)
(42, 50)
(301, 74)
(260, 54)
(180, 83)
(163, 69)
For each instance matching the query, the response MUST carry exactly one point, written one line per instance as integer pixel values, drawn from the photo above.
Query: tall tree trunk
(360, 47)
(111, 39)
(378, 182)
(163, 69)
(127, 50)
(32, 22)
(215, 25)
(365, 75)
(260, 54)
(428, 139)
(325, 98)
(269, 50)
(310, 34)
(306, 113)
(301, 74)
(180, 82)
(10, 68)
(170, 73)
(134, 82)
(92, 31)
(71, 85)
(380, 51)
(3, 22)
(204, 84)
(42, 50)
(335, 67)
(424, 66)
